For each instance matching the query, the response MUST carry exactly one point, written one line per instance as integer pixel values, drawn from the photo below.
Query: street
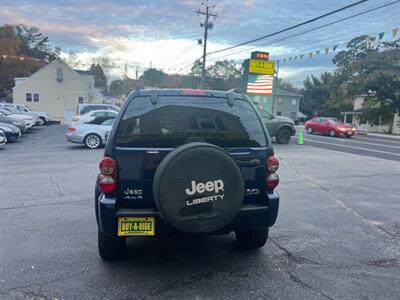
(337, 235)
(380, 147)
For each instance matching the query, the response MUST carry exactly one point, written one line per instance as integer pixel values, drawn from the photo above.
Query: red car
(330, 126)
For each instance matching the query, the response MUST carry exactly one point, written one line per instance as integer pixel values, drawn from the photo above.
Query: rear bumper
(74, 138)
(250, 216)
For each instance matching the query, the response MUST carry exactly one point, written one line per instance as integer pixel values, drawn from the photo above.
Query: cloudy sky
(164, 33)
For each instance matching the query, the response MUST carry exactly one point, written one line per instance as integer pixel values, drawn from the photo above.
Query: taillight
(107, 184)
(272, 164)
(107, 166)
(189, 92)
(71, 129)
(272, 179)
(107, 178)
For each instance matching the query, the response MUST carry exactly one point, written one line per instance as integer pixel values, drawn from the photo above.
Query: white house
(356, 115)
(56, 88)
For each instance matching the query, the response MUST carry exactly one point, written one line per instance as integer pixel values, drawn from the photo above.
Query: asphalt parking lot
(337, 235)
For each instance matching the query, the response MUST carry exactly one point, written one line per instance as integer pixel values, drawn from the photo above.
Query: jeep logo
(209, 186)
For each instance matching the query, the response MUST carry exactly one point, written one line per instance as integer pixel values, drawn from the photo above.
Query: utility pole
(137, 72)
(275, 82)
(125, 75)
(207, 25)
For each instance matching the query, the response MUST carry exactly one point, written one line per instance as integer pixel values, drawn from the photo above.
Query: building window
(80, 99)
(28, 97)
(35, 97)
(294, 101)
(280, 100)
(279, 113)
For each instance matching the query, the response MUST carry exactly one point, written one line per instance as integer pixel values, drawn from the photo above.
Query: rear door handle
(248, 163)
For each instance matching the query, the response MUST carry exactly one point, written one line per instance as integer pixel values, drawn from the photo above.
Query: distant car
(41, 118)
(29, 121)
(83, 108)
(329, 126)
(282, 128)
(3, 138)
(91, 134)
(10, 131)
(13, 121)
(91, 115)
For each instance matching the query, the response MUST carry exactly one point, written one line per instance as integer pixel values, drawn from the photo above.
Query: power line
(307, 31)
(291, 27)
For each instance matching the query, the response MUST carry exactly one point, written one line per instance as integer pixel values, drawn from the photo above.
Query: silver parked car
(29, 121)
(41, 118)
(3, 138)
(92, 134)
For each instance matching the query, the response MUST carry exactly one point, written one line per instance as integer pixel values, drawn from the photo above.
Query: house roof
(283, 92)
(47, 66)
(82, 72)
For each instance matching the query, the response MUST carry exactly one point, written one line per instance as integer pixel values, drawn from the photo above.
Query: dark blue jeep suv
(186, 162)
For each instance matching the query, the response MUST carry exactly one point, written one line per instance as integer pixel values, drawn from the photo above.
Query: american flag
(260, 84)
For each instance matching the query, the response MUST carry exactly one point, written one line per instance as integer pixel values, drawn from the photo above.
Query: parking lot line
(375, 139)
(353, 147)
(352, 140)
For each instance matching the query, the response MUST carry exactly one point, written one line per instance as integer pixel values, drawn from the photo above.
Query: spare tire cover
(198, 188)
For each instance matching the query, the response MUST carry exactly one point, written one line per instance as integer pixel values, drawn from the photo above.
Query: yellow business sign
(261, 67)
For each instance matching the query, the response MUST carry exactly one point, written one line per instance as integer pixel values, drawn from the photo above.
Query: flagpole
(274, 86)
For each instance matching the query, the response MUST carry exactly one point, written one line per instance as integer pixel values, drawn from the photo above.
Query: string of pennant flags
(328, 50)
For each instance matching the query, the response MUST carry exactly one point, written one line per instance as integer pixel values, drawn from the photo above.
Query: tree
(100, 79)
(9, 41)
(224, 69)
(105, 63)
(371, 68)
(316, 94)
(11, 65)
(72, 60)
(153, 77)
(196, 68)
(34, 43)
(115, 86)
(287, 85)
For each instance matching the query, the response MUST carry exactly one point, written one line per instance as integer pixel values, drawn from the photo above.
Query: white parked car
(41, 118)
(91, 115)
(29, 121)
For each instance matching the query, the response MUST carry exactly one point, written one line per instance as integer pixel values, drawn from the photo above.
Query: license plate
(131, 226)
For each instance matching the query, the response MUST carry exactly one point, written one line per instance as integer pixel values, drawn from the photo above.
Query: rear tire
(332, 133)
(110, 247)
(92, 141)
(252, 239)
(42, 121)
(283, 136)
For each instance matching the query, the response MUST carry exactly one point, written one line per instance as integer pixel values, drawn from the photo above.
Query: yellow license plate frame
(136, 226)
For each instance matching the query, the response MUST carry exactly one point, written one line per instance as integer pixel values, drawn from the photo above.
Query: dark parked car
(14, 121)
(186, 162)
(10, 131)
(282, 128)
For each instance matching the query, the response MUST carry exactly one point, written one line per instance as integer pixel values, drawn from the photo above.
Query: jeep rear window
(176, 119)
